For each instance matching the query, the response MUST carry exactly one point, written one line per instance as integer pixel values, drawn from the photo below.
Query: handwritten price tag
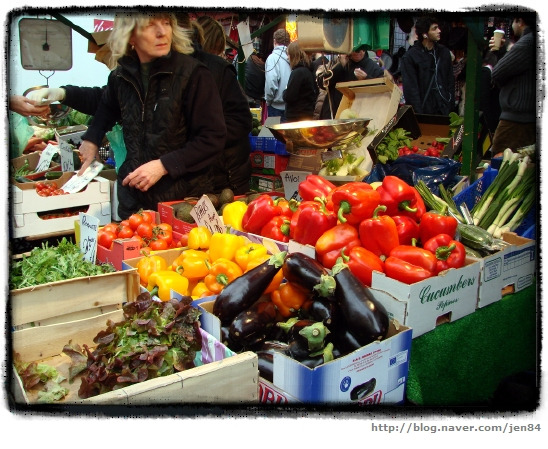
(89, 226)
(67, 156)
(77, 183)
(45, 158)
(205, 214)
(291, 181)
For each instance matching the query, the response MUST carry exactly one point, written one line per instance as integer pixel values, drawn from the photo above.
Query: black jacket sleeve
(83, 99)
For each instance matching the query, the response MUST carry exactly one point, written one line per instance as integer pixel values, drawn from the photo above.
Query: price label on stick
(89, 226)
(67, 156)
(205, 214)
(77, 183)
(45, 157)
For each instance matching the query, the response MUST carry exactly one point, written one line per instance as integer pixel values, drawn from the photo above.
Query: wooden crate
(77, 311)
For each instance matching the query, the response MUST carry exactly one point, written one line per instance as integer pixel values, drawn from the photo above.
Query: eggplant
(243, 291)
(307, 272)
(322, 309)
(362, 390)
(304, 337)
(251, 326)
(365, 318)
(317, 359)
(344, 341)
(227, 341)
(265, 356)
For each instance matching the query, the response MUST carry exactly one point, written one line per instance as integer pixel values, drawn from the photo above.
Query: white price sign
(89, 227)
(77, 183)
(205, 214)
(67, 156)
(291, 181)
(45, 158)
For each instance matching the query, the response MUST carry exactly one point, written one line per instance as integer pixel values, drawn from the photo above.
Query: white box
(436, 300)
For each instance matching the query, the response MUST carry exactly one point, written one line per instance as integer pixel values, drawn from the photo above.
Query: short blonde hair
(126, 22)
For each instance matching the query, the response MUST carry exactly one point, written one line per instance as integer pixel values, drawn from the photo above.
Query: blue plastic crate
(268, 145)
(472, 194)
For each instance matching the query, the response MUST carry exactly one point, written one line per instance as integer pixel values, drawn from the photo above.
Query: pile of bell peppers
(384, 229)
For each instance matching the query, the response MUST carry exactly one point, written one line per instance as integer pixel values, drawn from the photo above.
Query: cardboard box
(265, 183)
(25, 199)
(70, 134)
(424, 305)
(267, 145)
(33, 159)
(220, 377)
(167, 215)
(268, 164)
(384, 364)
(122, 249)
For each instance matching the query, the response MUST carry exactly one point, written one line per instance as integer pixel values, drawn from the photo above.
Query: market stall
(367, 265)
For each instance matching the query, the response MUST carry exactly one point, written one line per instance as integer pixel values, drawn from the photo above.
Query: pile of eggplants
(340, 316)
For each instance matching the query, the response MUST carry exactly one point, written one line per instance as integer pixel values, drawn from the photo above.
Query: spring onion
(433, 202)
(520, 214)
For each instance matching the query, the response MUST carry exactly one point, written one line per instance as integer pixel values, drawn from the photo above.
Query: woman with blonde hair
(171, 118)
(301, 93)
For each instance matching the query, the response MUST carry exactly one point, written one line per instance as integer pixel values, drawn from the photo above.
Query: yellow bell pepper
(199, 238)
(224, 245)
(221, 273)
(192, 264)
(247, 252)
(200, 290)
(148, 265)
(233, 214)
(161, 283)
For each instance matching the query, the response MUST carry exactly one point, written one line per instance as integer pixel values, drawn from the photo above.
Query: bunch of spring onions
(508, 198)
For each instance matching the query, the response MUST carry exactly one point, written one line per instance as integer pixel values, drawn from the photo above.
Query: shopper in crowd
(277, 71)
(162, 97)
(255, 80)
(515, 75)
(489, 95)
(214, 36)
(352, 67)
(27, 107)
(427, 71)
(301, 93)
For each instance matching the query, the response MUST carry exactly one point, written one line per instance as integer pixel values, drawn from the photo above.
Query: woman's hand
(360, 74)
(26, 107)
(88, 153)
(145, 176)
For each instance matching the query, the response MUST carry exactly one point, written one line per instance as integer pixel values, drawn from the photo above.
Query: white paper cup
(497, 36)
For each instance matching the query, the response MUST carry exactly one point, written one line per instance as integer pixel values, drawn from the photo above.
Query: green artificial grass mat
(461, 363)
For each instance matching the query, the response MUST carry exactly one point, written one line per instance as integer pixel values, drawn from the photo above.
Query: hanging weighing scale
(45, 45)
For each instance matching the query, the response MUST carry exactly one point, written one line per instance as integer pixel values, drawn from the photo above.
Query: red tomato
(145, 230)
(142, 243)
(135, 220)
(124, 223)
(112, 227)
(164, 231)
(125, 232)
(183, 241)
(158, 245)
(105, 238)
(147, 217)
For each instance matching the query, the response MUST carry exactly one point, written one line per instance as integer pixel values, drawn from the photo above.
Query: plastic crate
(471, 196)
(267, 145)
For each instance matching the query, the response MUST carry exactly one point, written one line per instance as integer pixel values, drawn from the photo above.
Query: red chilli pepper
(277, 229)
(310, 221)
(362, 262)
(258, 213)
(342, 237)
(379, 234)
(315, 186)
(404, 271)
(415, 255)
(449, 253)
(353, 202)
(397, 196)
(408, 229)
(432, 224)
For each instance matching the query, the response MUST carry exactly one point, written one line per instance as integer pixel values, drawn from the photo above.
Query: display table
(461, 363)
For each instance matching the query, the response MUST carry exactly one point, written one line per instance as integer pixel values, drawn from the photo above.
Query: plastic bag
(20, 133)
(117, 144)
(414, 167)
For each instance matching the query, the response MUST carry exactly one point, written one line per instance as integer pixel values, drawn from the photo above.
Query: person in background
(255, 80)
(277, 71)
(515, 75)
(489, 102)
(162, 97)
(352, 67)
(427, 71)
(301, 93)
(27, 107)
(214, 36)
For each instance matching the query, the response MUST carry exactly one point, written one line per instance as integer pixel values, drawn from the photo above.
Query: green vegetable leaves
(387, 149)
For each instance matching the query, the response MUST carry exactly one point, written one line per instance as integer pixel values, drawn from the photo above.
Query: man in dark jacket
(515, 75)
(427, 72)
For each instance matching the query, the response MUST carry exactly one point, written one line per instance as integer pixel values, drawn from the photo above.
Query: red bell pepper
(277, 228)
(432, 224)
(450, 253)
(342, 237)
(316, 186)
(404, 271)
(397, 196)
(379, 233)
(408, 229)
(415, 255)
(362, 263)
(258, 213)
(310, 221)
(288, 207)
(353, 202)
(418, 205)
